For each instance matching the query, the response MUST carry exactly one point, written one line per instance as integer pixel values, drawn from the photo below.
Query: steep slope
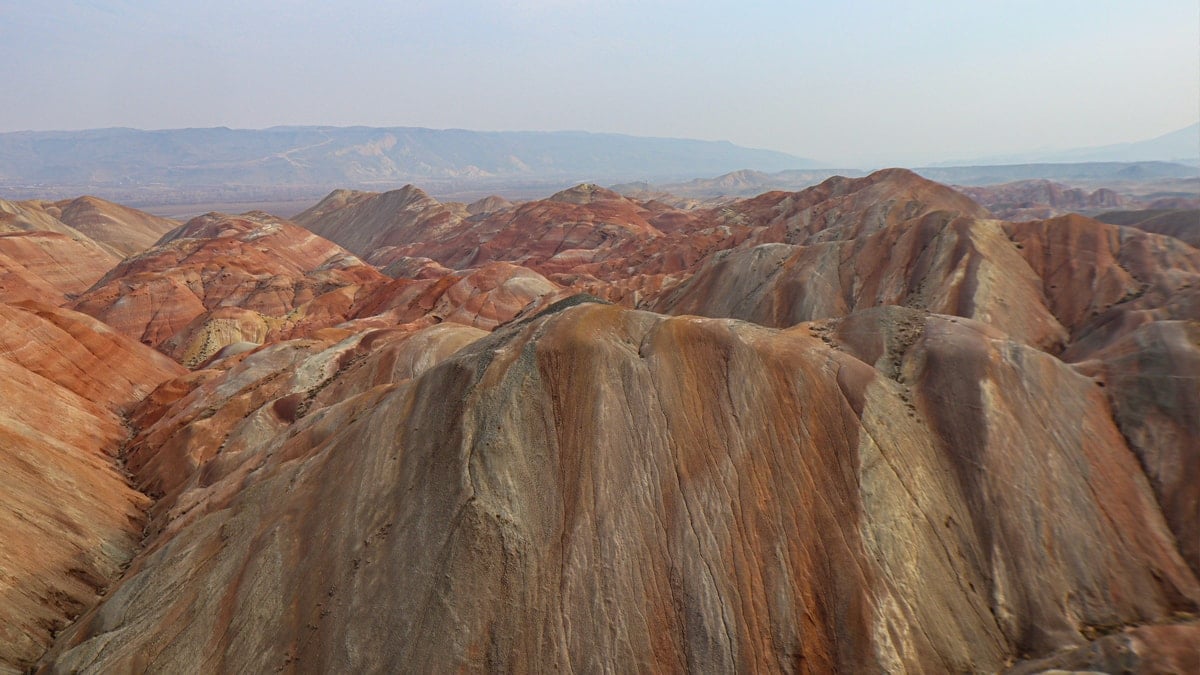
(573, 226)
(578, 225)
(1152, 377)
(363, 222)
(49, 267)
(940, 262)
(30, 217)
(844, 208)
(127, 230)
(483, 298)
(51, 252)
(1183, 224)
(602, 488)
(69, 520)
(1068, 283)
(118, 229)
(1029, 199)
(947, 443)
(254, 262)
(1102, 281)
(1144, 649)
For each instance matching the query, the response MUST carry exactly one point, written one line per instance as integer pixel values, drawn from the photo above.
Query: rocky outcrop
(584, 224)
(1069, 283)
(597, 487)
(845, 208)
(1144, 649)
(31, 217)
(488, 205)
(69, 519)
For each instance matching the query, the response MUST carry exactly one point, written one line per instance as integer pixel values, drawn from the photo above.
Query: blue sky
(851, 81)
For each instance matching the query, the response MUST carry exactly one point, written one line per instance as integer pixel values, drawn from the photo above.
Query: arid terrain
(877, 424)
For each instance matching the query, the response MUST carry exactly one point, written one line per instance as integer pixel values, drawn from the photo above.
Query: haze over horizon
(916, 82)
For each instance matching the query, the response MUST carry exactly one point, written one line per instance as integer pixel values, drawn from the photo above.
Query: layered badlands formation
(1025, 199)
(53, 251)
(865, 427)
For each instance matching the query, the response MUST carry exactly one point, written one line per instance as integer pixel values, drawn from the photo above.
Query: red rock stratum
(599, 486)
(70, 520)
(862, 427)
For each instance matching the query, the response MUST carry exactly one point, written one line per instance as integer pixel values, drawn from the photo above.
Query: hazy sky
(844, 81)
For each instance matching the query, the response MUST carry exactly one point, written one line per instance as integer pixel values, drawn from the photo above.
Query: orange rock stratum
(864, 427)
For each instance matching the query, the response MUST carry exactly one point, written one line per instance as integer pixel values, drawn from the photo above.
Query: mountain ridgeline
(282, 156)
(866, 426)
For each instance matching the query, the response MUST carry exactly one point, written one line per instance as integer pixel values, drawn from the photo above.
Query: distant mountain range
(748, 183)
(1075, 172)
(360, 156)
(1180, 146)
(299, 164)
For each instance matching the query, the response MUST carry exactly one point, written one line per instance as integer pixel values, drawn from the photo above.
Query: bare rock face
(213, 330)
(1145, 649)
(585, 220)
(398, 266)
(69, 520)
(491, 295)
(1102, 280)
(844, 208)
(127, 230)
(31, 217)
(584, 224)
(1181, 222)
(939, 262)
(602, 488)
(49, 267)
(44, 259)
(1036, 199)
(255, 262)
(117, 229)
(365, 221)
(482, 298)
(1152, 377)
(487, 205)
(216, 422)
(870, 429)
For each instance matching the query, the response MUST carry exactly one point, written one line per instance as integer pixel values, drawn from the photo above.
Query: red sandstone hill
(127, 230)
(1027, 199)
(568, 228)
(902, 435)
(49, 267)
(253, 262)
(1181, 223)
(119, 229)
(53, 251)
(604, 486)
(70, 521)
(365, 221)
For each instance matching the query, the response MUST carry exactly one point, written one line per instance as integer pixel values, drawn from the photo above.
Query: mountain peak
(585, 193)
